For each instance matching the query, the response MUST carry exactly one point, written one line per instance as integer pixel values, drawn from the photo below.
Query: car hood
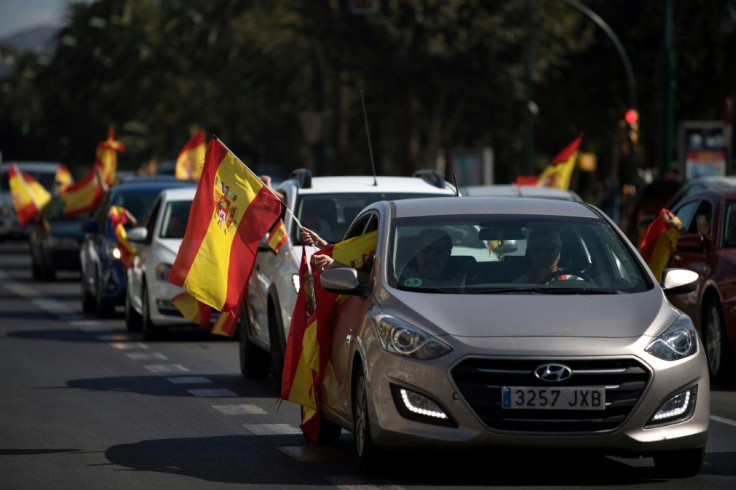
(538, 315)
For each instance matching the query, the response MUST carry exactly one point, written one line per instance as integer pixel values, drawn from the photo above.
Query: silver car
(454, 340)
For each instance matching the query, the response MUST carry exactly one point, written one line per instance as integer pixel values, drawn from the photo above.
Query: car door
(348, 321)
(143, 252)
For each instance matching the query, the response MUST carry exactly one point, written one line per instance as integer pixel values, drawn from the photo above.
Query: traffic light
(632, 125)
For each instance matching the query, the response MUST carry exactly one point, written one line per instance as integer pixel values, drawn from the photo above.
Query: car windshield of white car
(330, 214)
(512, 255)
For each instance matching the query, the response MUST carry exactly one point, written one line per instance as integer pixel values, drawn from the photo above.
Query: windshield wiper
(432, 290)
(579, 291)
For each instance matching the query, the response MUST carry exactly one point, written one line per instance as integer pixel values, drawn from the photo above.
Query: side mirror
(691, 243)
(90, 226)
(137, 235)
(342, 280)
(679, 281)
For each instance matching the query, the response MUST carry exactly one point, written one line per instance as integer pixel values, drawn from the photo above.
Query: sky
(17, 15)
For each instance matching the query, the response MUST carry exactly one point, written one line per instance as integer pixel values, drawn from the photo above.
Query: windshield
(330, 214)
(511, 254)
(175, 218)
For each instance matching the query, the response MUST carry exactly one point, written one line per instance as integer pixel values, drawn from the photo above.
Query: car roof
(32, 166)
(365, 183)
(440, 206)
(151, 185)
(512, 190)
(178, 194)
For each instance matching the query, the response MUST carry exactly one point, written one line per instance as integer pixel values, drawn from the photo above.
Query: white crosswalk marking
(147, 356)
(88, 325)
(212, 393)
(189, 380)
(112, 336)
(272, 429)
(128, 345)
(165, 368)
(239, 409)
(350, 482)
(723, 420)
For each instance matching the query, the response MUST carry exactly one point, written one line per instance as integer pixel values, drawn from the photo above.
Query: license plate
(560, 398)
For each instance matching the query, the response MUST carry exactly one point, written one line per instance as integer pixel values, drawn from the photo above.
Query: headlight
(403, 338)
(677, 342)
(162, 271)
(114, 252)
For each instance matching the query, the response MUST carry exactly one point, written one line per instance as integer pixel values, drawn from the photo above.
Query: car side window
(150, 222)
(359, 226)
(702, 222)
(686, 214)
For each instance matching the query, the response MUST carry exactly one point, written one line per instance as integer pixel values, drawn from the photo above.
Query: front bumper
(439, 381)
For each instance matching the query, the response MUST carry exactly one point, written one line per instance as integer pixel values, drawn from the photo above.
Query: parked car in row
(593, 357)
(148, 306)
(103, 278)
(326, 205)
(55, 241)
(707, 245)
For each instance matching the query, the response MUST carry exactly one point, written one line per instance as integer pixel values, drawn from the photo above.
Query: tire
(714, 338)
(680, 464)
(253, 360)
(88, 301)
(276, 355)
(150, 331)
(103, 307)
(133, 319)
(367, 452)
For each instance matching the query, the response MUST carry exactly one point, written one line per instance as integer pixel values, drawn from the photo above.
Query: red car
(707, 246)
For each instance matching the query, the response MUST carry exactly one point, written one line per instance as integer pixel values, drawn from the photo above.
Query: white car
(326, 205)
(148, 306)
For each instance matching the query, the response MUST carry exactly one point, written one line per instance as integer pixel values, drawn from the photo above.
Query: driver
(543, 249)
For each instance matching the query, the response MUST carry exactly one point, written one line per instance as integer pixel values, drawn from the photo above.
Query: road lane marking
(189, 380)
(350, 482)
(128, 345)
(203, 392)
(112, 336)
(272, 429)
(165, 368)
(723, 420)
(147, 356)
(247, 409)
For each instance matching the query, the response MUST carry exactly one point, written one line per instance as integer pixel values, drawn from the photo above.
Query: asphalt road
(85, 404)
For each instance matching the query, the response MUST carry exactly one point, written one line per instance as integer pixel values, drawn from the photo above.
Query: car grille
(480, 382)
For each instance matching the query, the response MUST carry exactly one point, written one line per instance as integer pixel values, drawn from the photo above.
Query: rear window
(330, 215)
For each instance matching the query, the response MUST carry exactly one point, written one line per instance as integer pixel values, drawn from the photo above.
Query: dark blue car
(102, 273)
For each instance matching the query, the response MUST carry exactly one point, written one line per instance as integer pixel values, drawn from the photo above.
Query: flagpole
(299, 224)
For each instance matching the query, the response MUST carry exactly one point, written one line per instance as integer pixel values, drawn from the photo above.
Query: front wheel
(714, 338)
(253, 361)
(276, 364)
(680, 464)
(150, 331)
(367, 452)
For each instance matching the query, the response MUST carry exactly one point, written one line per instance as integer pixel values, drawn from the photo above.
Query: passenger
(431, 261)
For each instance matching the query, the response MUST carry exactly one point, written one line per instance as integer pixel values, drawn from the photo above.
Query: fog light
(420, 408)
(677, 408)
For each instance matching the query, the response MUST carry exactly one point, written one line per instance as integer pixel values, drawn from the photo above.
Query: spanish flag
(193, 310)
(559, 171)
(277, 237)
(82, 196)
(29, 196)
(118, 216)
(660, 241)
(306, 362)
(63, 178)
(107, 156)
(191, 158)
(231, 212)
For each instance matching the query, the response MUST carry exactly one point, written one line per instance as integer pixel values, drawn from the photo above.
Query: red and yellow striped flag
(308, 346)
(230, 213)
(660, 241)
(82, 196)
(559, 171)
(63, 178)
(107, 156)
(277, 237)
(193, 310)
(29, 196)
(190, 161)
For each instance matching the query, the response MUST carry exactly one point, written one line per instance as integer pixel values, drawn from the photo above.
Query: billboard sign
(702, 149)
